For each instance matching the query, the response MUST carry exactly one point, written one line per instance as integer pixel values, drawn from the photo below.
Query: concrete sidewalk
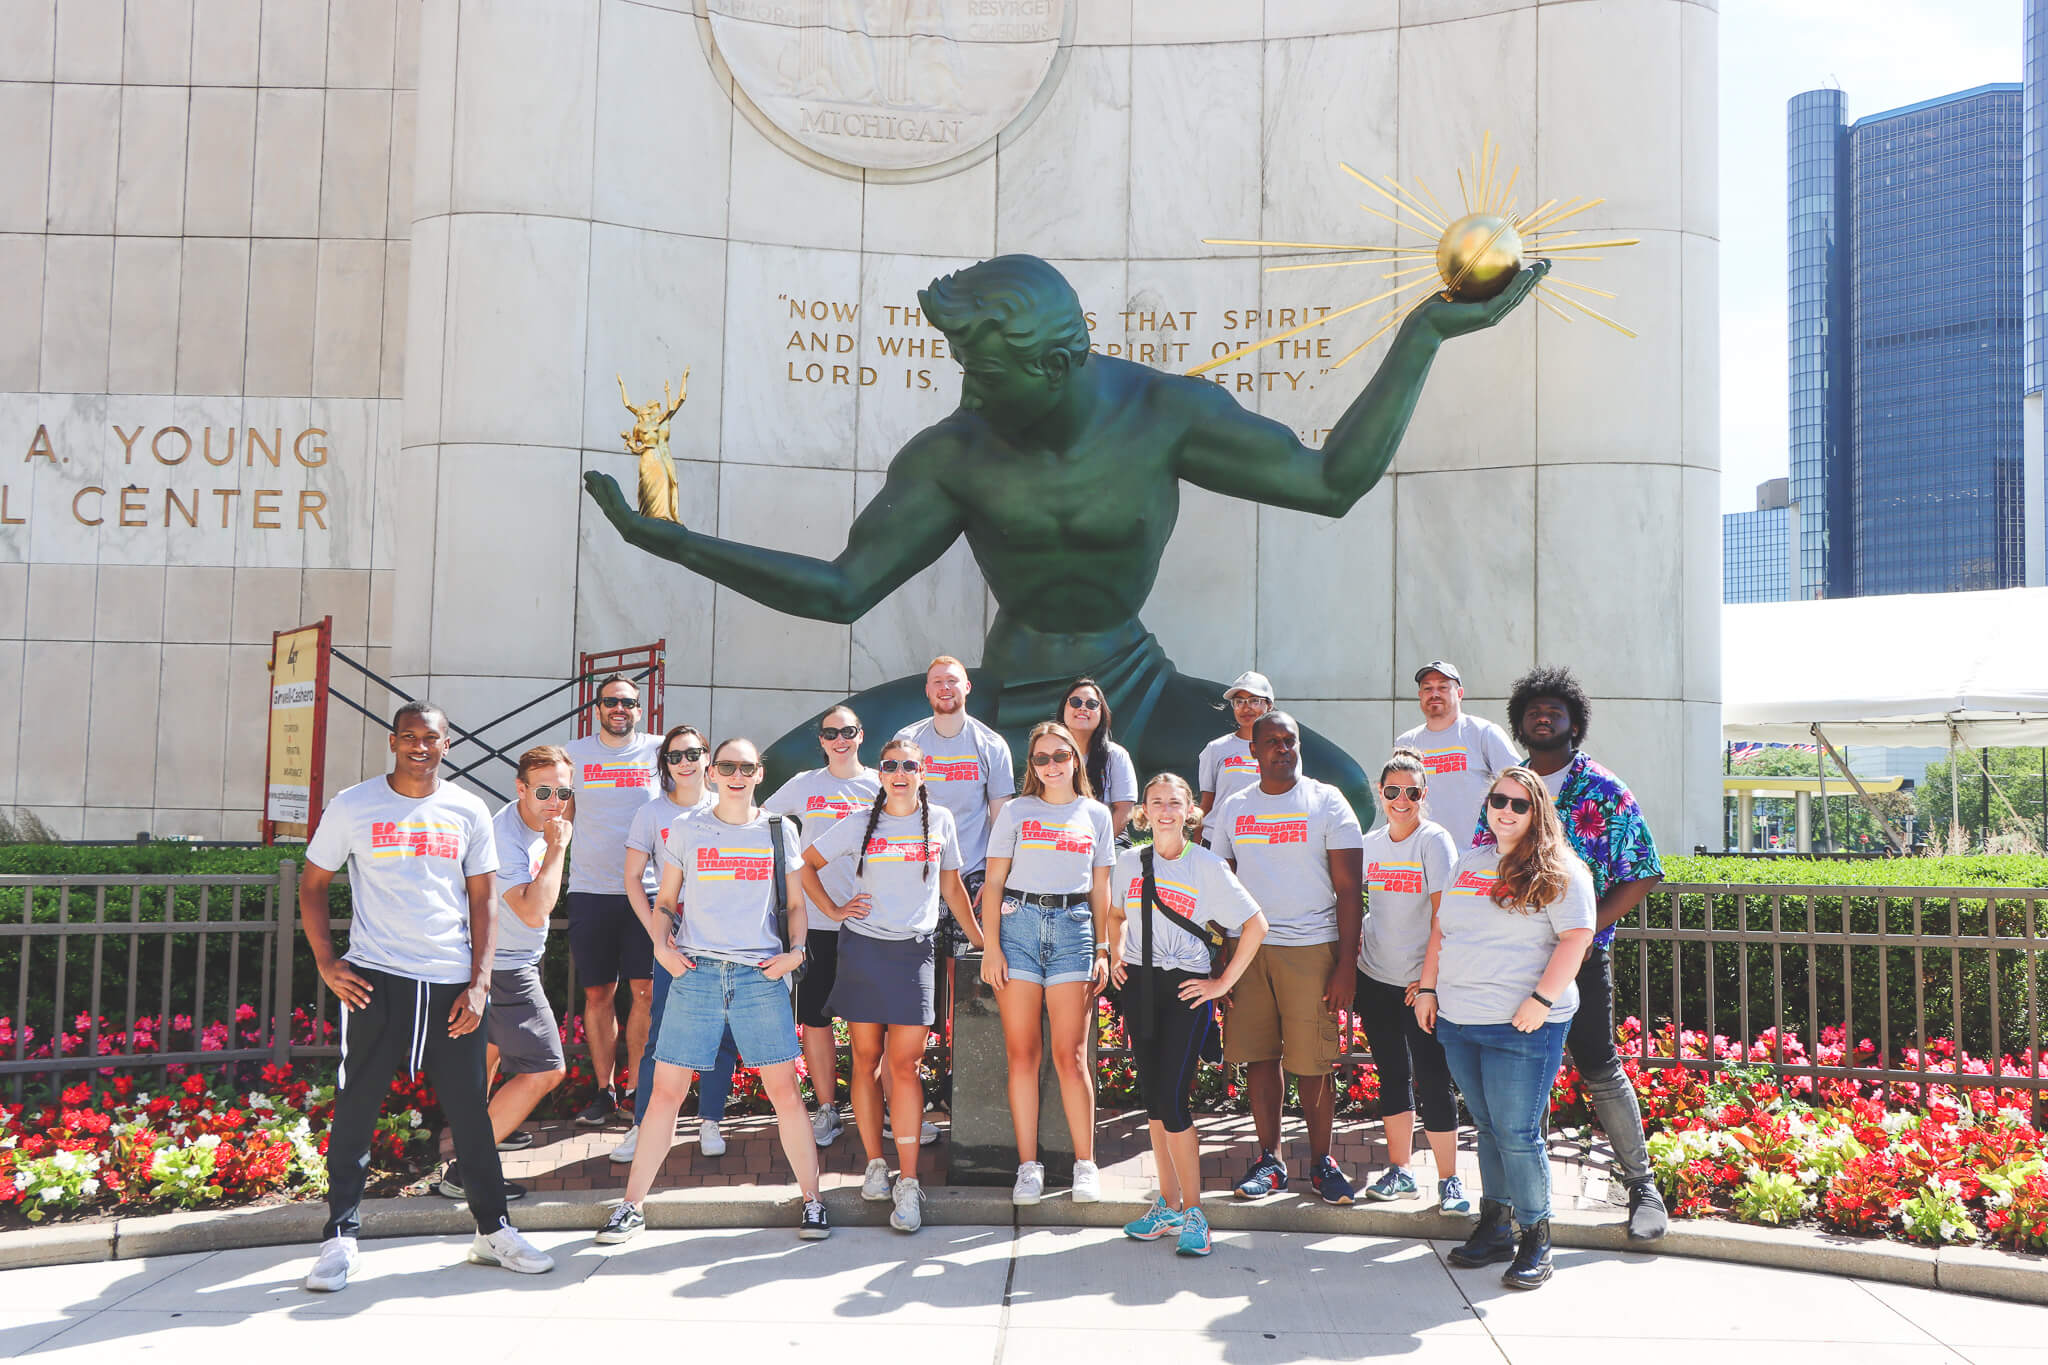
(1018, 1296)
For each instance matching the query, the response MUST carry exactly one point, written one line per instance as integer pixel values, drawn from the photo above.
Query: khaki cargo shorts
(1276, 1011)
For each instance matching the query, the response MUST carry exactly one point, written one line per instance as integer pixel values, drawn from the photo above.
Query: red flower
(1587, 821)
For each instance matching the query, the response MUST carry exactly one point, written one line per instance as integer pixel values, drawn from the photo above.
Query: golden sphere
(1478, 255)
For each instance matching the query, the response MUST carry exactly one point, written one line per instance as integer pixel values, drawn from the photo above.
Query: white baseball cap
(1254, 683)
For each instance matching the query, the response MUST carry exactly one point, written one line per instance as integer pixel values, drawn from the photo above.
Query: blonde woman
(1499, 990)
(1170, 984)
(1049, 855)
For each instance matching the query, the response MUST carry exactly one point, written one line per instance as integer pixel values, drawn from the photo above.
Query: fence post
(287, 943)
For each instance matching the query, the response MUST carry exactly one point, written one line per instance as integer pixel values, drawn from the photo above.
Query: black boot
(1646, 1216)
(1492, 1241)
(1532, 1260)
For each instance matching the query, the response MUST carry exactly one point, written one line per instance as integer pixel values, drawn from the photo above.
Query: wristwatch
(1543, 1000)
(803, 948)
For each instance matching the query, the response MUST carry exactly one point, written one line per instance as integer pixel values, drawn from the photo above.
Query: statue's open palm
(1456, 319)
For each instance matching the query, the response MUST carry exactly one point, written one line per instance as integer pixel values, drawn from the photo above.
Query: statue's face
(997, 384)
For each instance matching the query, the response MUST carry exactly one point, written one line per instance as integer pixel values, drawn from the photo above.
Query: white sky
(1882, 53)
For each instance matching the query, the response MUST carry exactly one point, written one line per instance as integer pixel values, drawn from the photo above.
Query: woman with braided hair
(888, 954)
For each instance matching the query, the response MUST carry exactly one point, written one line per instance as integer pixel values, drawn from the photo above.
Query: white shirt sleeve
(1002, 773)
(1343, 821)
(329, 847)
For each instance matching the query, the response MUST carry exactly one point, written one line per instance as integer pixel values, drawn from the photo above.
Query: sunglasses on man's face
(731, 767)
(690, 755)
(1502, 801)
(553, 793)
(1056, 756)
(1085, 703)
(1396, 793)
(618, 703)
(900, 765)
(829, 733)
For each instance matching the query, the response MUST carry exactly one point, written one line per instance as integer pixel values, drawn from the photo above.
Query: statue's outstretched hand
(1456, 319)
(605, 492)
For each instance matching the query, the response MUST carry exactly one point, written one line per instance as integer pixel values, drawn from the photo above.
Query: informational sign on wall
(296, 758)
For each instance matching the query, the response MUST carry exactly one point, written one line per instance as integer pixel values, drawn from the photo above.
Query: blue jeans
(714, 1087)
(1505, 1076)
(716, 1001)
(1047, 945)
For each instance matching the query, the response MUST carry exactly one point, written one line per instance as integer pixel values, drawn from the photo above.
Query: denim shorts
(704, 1002)
(1047, 945)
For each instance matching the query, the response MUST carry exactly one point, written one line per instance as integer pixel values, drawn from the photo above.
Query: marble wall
(594, 196)
(206, 233)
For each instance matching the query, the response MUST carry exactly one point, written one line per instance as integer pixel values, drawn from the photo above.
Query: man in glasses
(1549, 715)
(1463, 753)
(1296, 845)
(532, 838)
(615, 775)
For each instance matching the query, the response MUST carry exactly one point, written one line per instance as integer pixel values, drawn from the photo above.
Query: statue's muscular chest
(1104, 495)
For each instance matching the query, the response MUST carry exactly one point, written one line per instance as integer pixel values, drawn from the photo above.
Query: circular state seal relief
(889, 84)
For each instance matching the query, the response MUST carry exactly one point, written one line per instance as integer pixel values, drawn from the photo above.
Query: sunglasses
(1085, 703)
(1502, 801)
(828, 732)
(553, 793)
(618, 703)
(1396, 793)
(900, 765)
(1056, 756)
(728, 767)
(690, 755)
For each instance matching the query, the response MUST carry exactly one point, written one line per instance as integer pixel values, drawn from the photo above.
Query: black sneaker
(451, 1184)
(1647, 1218)
(817, 1224)
(518, 1140)
(598, 1112)
(626, 1223)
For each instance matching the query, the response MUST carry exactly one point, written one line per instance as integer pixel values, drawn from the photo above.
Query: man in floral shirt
(1548, 715)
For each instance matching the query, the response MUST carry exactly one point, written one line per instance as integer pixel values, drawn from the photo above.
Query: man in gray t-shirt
(1462, 753)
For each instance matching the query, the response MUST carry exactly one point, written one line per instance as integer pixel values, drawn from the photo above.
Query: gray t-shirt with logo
(964, 774)
(1053, 850)
(1197, 884)
(611, 787)
(1120, 777)
(1463, 761)
(409, 860)
(1281, 846)
(1400, 880)
(821, 801)
(520, 851)
(1492, 957)
(649, 834)
(903, 901)
(728, 904)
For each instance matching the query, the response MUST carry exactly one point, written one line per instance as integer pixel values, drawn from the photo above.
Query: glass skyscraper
(1817, 204)
(1756, 549)
(1906, 336)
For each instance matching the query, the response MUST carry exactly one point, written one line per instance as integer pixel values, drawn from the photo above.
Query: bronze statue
(649, 440)
(1063, 470)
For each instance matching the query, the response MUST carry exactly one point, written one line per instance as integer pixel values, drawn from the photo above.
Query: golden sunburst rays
(1470, 256)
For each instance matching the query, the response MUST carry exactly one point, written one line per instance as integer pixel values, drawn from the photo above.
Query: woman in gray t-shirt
(1498, 989)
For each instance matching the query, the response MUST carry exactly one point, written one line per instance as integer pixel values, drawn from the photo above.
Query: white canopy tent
(1930, 668)
(1961, 668)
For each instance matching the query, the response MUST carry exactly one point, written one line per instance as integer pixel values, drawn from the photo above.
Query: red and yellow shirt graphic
(617, 774)
(910, 848)
(1174, 895)
(734, 864)
(1451, 760)
(1390, 876)
(415, 839)
(952, 767)
(1476, 879)
(1283, 827)
(1040, 837)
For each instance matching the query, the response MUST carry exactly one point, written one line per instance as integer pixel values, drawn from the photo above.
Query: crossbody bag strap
(1147, 898)
(780, 879)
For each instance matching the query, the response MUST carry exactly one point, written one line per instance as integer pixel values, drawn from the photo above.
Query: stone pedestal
(984, 1143)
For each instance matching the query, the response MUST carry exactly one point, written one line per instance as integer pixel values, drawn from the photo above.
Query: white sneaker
(710, 1141)
(623, 1153)
(1030, 1186)
(1087, 1183)
(826, 1125)
(874, 1186)
(507, 1248)
(337, 1262)
(908, 1217)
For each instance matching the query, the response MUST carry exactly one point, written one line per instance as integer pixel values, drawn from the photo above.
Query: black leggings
(1413, 1074)
(1166, 1058)
(405, 1024)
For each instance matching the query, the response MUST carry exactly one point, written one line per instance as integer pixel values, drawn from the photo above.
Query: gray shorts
(521, 1024)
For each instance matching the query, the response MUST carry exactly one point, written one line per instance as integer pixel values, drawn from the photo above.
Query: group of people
(1467, 931)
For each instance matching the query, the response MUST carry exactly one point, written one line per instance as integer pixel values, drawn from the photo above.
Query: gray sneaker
(1030, 1186)
(1395, 1182)
(874, 1186)
(1451, 1196)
